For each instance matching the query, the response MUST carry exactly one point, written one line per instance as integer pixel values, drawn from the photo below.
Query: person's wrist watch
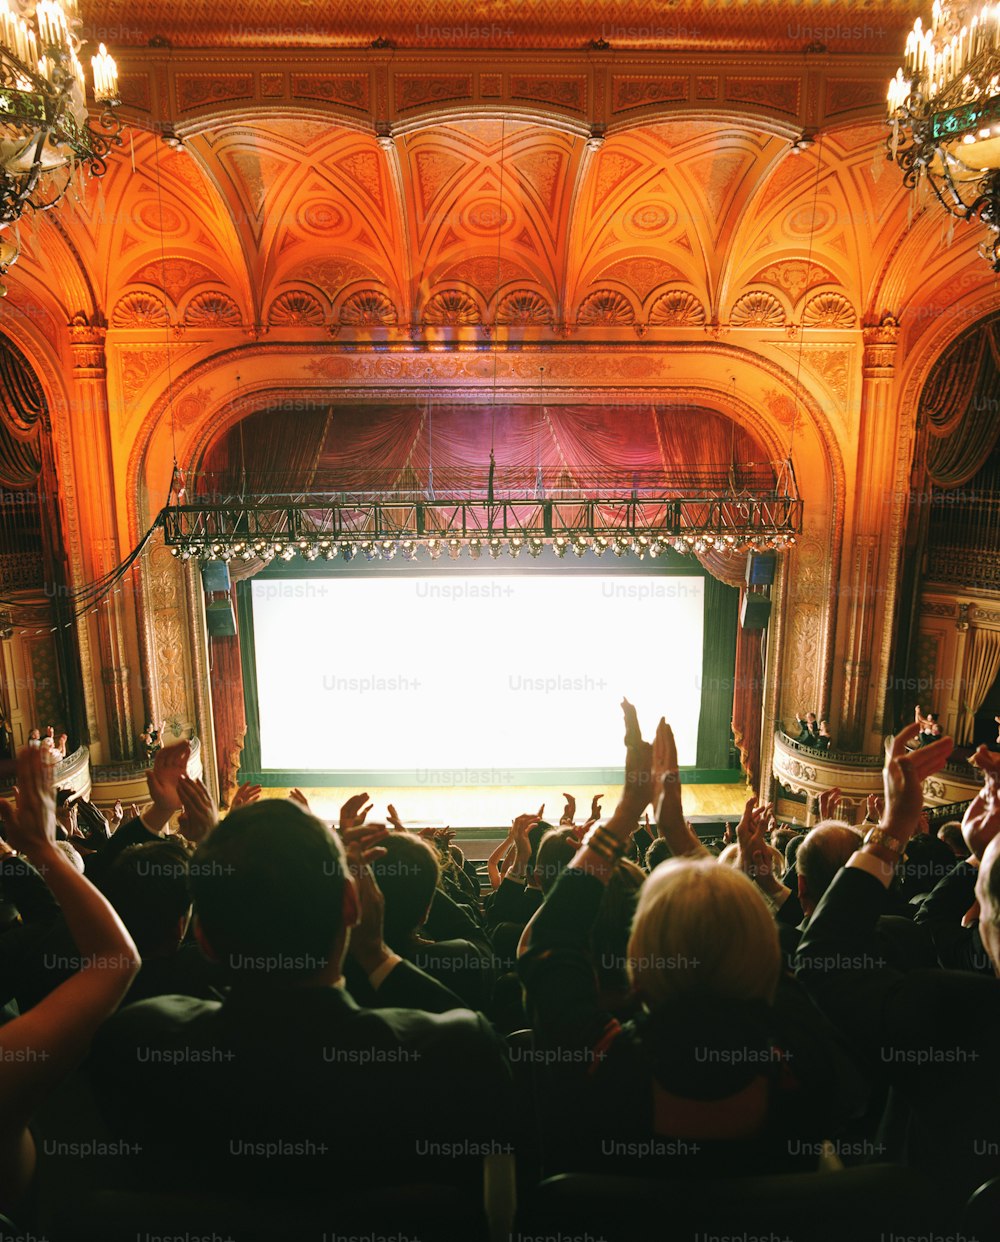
(885, 840)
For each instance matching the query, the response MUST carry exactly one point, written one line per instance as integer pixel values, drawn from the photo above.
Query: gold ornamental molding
(587, 91)
(804, 770)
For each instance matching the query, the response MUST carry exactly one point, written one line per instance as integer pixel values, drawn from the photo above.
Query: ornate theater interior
(388, 391)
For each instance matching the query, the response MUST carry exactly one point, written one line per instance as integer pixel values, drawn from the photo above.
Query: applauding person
(703, 1070)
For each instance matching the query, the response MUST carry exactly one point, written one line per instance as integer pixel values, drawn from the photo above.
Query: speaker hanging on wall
(756, 612)
(215, 576)
(220, 618)
(760, 568)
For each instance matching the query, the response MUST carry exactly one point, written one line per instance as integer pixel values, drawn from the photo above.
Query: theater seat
(865, 1204)
(430, 1212)
(981, 1219)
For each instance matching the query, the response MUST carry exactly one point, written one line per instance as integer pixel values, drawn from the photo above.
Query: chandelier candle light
(46, 132)
(944, 114)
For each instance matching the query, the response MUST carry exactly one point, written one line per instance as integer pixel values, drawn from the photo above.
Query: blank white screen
(452, 671)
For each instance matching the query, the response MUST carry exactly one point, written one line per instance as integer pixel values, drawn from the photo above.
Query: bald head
(821, 855)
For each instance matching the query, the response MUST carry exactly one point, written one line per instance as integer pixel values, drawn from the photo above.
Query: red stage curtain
(748, 699)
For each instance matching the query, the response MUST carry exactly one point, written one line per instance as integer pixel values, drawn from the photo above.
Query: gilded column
(90, 434)
(869, 576)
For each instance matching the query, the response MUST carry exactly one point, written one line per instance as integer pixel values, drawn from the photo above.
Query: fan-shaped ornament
(139, 310)
(212, 310)
(677, 308)
(605, 308)
(829, 310)
(522, 308)
(757, 310)
(368, 308)
(452, 307)
(296, 309)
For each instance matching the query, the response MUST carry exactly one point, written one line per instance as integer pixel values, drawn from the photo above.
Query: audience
(324, 1008)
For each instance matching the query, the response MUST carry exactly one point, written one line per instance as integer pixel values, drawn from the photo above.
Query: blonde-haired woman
(725, 1061)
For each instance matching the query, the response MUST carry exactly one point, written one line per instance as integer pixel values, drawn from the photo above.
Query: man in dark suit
(930, 1034)
(289, 1083)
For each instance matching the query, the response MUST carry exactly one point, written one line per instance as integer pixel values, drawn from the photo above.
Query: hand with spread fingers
(200, 814)
(170, 763)
(755, 857)
(829, 801)
(670, 822)
(903, 777)
(354, 810)
(981, 822)
(246, 794)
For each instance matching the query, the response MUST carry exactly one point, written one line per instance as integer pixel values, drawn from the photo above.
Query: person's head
(456, 855)
(66, 810)
(935, 728)
(34, 735)
(701, 930)
(927, 861)
(66, 848)
(273, 898)
(988, 896)
(824, 728)
(555, 853)
(810, 718)
(951, 834)
(408, 874)
(148, 886)
(780, 838)
(821, 855)
(792, 850)
(657, 852)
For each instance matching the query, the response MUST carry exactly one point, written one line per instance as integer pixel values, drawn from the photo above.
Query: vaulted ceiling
(486, 222)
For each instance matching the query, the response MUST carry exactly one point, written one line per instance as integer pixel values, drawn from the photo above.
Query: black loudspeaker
(220, 618)
(215, 576)
(760, 569)
(756, 612)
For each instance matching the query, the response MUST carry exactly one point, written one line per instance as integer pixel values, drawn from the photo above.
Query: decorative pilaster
(95, 490)
(868, 581)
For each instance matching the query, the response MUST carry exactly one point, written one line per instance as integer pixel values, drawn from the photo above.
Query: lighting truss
(640, 514)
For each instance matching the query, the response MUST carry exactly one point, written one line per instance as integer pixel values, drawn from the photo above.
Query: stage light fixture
(434, 548)
(515, 547)
(311, 552)
(387, 549)
(409, 549)
(699, 546)
(535, 547)
(454, 548)
(579, 545)
(600, 545)
(560, 547)
(620, 546)
(475, 548)
(347, 551)
(495, 548)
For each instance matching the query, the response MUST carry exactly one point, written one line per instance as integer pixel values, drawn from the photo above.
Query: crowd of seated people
(271, 1005)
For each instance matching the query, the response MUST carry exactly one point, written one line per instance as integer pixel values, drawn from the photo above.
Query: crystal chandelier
(944, 114)
(47, 136)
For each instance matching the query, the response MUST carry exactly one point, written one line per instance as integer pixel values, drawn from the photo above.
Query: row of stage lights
(409, 549)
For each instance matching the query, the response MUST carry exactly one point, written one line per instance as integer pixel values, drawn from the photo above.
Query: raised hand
(829, 800)
(903, 777)
(296, 795)
(755, 857)
(246, 794)
(569, 811)
(595, 808)
(874, 807)
(394, 819)
(117, 813)
(981, 822)
(31, 826)
(170, 763)
(367, 944)
(200, 814)
(670, 821)
(353, 812)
